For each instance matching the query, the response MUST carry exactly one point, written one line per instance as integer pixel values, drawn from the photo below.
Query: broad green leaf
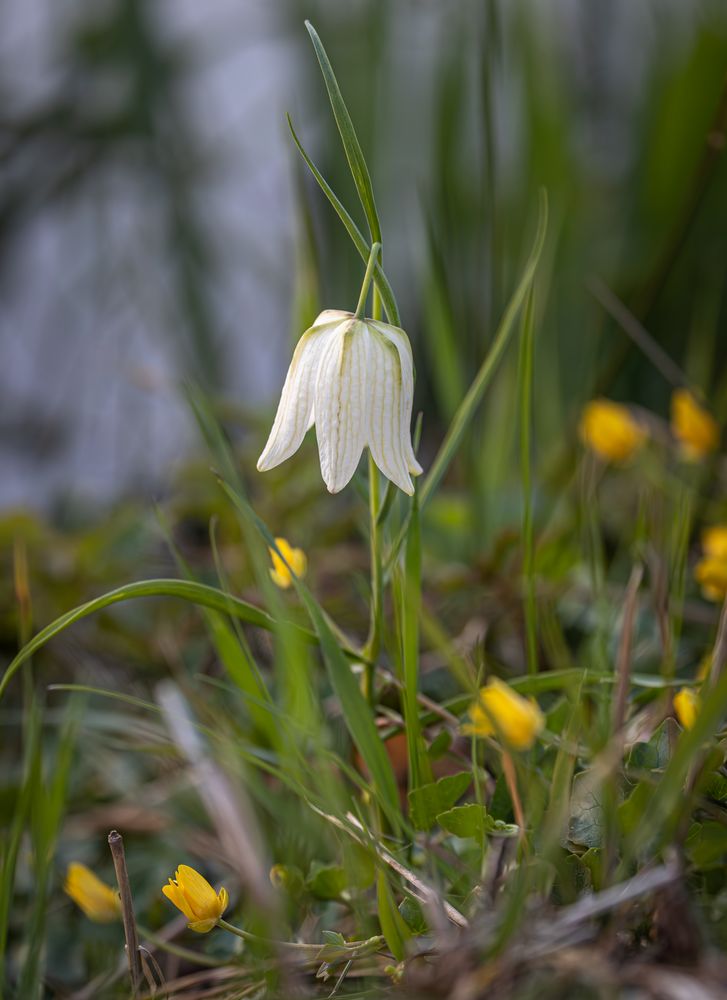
(465, 821)
(326, 881)
(585, 824)
(413, 916)
(351, 146)
(654, 755)
(427, 801)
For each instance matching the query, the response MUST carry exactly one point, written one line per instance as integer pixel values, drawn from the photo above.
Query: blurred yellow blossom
(295, 558)
(194, 896)
(609, 430)
(695, 429)
(711, 574)
(686, 705)
(97, 900)
(714, 541)
(500, 711)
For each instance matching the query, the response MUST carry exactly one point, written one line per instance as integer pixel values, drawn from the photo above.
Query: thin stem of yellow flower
(368, 278)
(247, 936)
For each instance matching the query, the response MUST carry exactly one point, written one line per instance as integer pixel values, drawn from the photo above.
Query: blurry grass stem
(116, 845)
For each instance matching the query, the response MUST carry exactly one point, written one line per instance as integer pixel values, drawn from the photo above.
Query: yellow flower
(714, 541)
(280, 574)
(711, 574)
(195, 897)
(97, 900)
(695, 429)
(610, 431)
(686, 705)
(500, 711)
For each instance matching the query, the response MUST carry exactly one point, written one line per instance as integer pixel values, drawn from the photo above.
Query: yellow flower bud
(686, 706)
(195, 897)
(295, 558)
(695, 429)
(610, 431)
(97, 900)
(500, 711)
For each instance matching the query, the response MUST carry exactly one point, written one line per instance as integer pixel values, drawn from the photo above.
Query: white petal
(331, 316)
(384, 431)
(295, 408)
(341, 403)
(399, 339)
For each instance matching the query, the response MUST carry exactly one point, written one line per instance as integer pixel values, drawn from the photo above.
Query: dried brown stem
(116, 843)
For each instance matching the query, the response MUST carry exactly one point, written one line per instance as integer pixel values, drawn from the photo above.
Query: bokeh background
(156, 224)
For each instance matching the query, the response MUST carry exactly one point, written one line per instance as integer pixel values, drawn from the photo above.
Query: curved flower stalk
(354, 379)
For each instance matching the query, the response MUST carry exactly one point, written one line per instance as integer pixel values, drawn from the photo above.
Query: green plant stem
(149, 937)
(256, 939)
(368, 278)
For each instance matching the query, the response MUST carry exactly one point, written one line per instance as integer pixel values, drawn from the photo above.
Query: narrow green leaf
(469, 404)
(351, 145)
(393, 926)
(382, 283)
(186, 590)
(356, 711)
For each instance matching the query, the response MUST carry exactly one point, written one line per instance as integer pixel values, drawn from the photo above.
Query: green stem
(368, 278)
(175, 949)
(256, 939)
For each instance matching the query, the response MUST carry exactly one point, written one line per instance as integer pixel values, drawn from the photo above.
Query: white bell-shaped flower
(354, 379)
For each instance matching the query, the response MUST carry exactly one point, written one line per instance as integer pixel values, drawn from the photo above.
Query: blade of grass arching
(382, 283)
(484, 376)
(525, 393)
(351, 145)
(47, 812)
(356, 710)
(409, 596)
(185, 590)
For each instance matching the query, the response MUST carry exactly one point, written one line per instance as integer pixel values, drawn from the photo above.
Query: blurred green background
(156, 225)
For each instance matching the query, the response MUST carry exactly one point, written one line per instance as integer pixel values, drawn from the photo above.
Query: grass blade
(382, 283)
(185, 590)
(351, 145)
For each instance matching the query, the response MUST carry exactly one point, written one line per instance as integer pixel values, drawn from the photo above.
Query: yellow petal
(609, 430)
(686, 706)
(200, 896)
(202, 926)
(176, 896)
(97, 900)
(714, 541)
(500, 711)
(296, 561)
(695, 428)
(711, 574)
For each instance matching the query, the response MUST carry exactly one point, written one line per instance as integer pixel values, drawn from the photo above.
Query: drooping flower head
(501, 712)
(97, 900)
(609, 430)
(354, 379)
(194, 896)
(295, 559)
(695, 428)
